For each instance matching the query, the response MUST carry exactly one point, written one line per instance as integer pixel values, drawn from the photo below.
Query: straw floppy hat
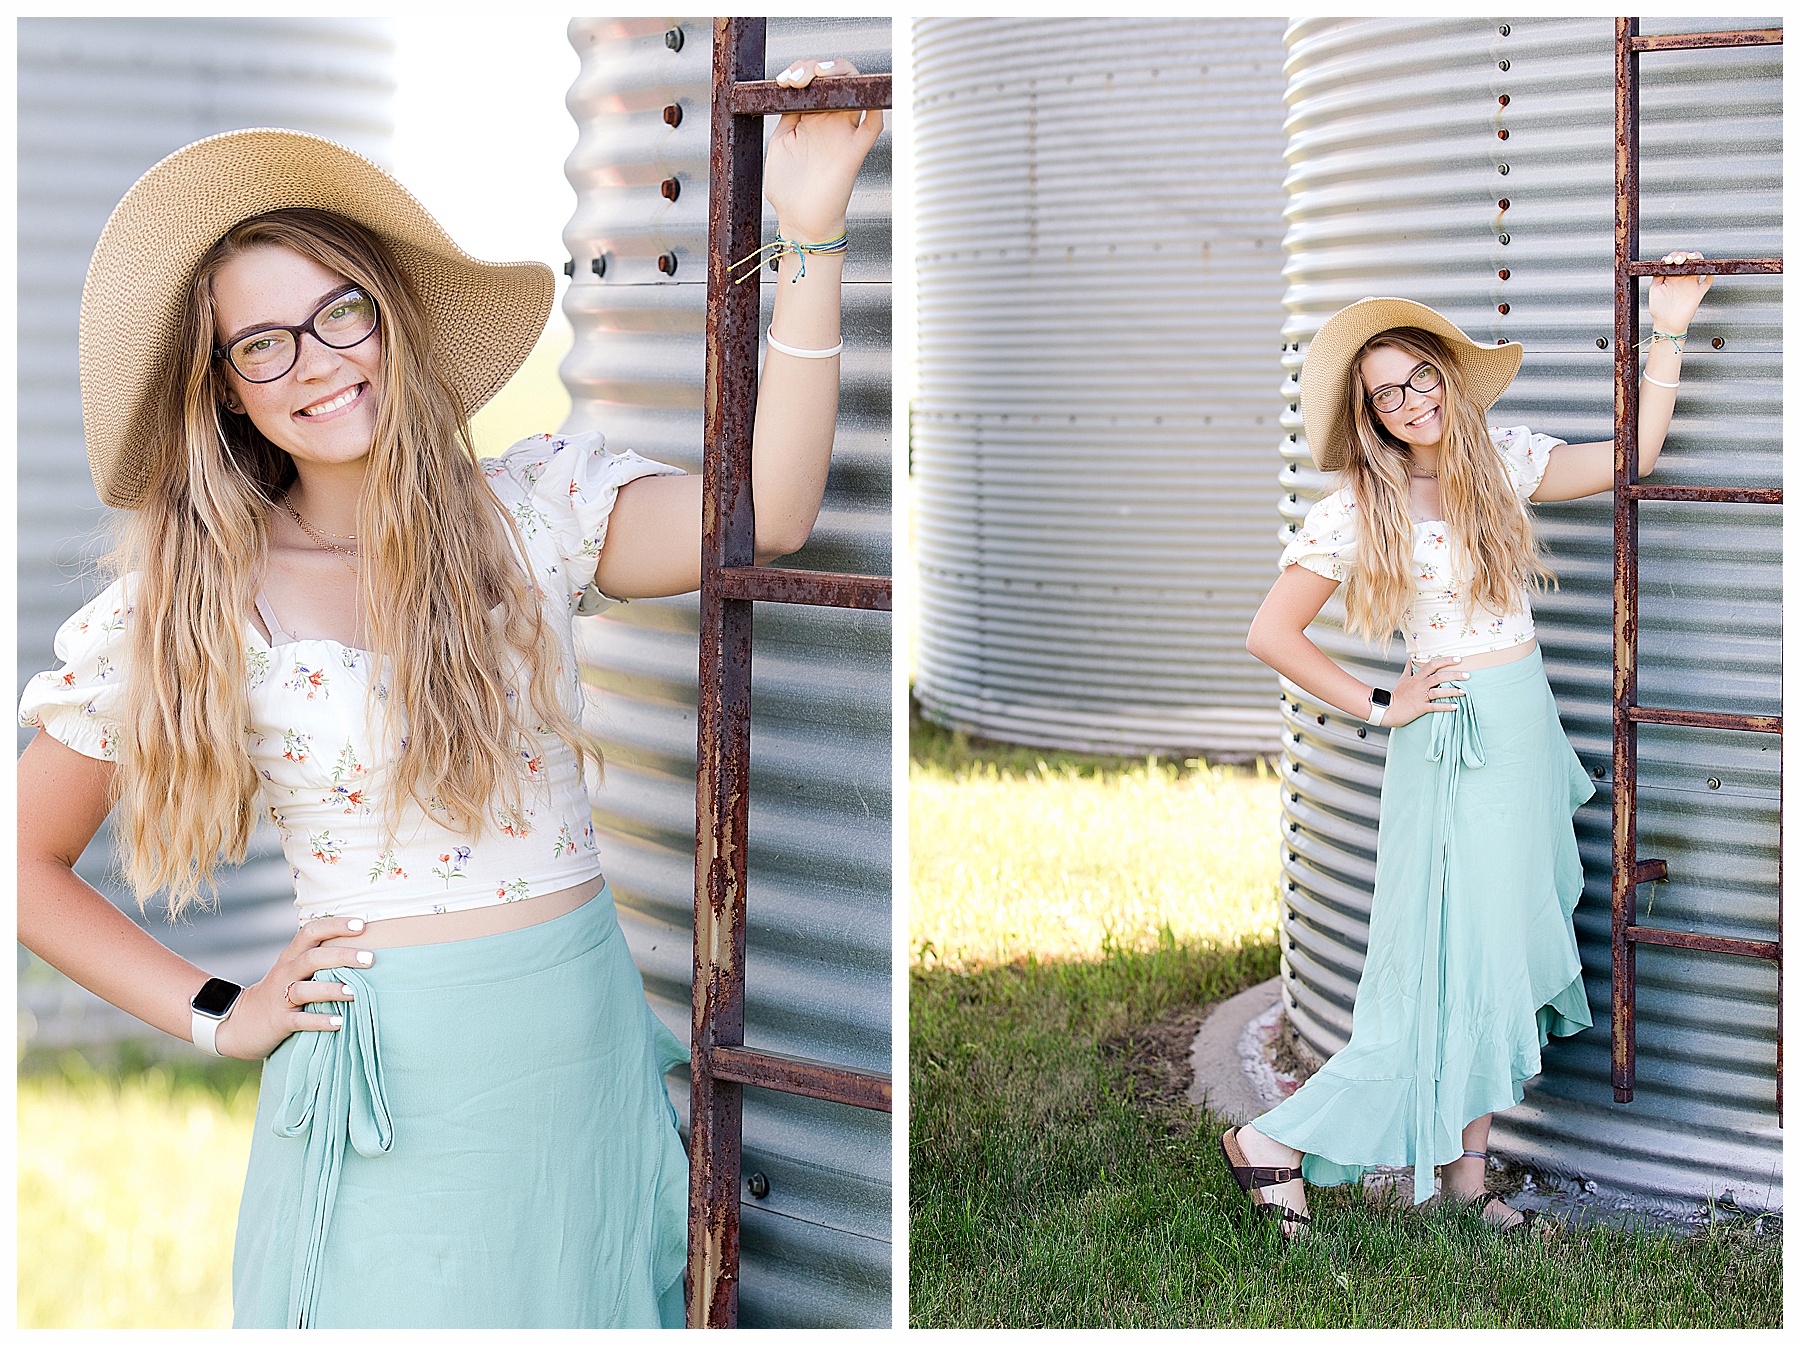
(1486, 370)
(485, 317)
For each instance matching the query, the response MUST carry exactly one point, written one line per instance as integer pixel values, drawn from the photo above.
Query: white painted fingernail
(337, 1021)
(789, 73)
(349, 994)
(365, 958)
(355, 924)
(827, 65)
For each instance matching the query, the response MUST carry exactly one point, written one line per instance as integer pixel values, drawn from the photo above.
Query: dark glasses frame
(1436, 382)
(297, 331)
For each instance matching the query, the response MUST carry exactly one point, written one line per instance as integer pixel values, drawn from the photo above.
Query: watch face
(216, 997)
(1381, 697)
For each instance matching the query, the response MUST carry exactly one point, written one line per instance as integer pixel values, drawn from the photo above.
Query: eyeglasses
(346, 319)
(1390, 396)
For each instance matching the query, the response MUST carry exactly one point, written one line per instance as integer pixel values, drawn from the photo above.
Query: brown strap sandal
(1527, 1219)
(1250, 1176)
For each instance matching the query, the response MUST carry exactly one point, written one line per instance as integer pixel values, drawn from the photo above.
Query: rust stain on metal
(1742, 37)
(845, 93)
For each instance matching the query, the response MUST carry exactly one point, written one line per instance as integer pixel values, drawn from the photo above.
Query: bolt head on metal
(1362, 733)
(598, 265)
(1713, 782)
(1505, 204)
(569, 268)
(759, 1185)
(671, 189)
(1505, 239)
(672, 39)
(1505, 99)
(1506, 65)
(672, 114)
(1505, 309)
(1600, 342)
(1505, 274)
(666, 263)
(1506, 30)
(1504, 170)
(1718, 343)
(1505, 134)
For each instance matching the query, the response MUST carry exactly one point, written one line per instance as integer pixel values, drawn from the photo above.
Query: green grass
(128, 1187)
(1056, 1182)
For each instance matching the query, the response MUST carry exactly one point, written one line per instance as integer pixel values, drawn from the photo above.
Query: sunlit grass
(1058, 910)
(1017, 853)
(128, 1194)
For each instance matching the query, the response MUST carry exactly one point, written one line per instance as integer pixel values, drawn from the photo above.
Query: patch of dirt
(1292, 1056)
(1155, 1060)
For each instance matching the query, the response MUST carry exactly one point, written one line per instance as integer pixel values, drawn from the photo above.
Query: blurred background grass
(128, 1185)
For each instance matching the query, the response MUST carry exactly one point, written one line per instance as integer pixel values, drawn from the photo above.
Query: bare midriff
(1488, 658)
(398, 932)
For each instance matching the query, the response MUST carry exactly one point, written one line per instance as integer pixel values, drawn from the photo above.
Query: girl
(328, 612)
(1472, 963)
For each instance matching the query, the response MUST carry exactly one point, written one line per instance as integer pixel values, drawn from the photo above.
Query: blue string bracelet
(780, 248)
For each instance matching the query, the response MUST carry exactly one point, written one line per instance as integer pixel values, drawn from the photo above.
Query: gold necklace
(321, 540)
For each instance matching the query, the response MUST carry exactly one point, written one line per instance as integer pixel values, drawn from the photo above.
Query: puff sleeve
(561, 490)
(1326, 542)
(1526, 456)
(78, 704)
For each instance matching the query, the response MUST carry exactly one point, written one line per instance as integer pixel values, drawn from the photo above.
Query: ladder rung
(1724, 266)
(817, 588)
(1723, 495)
(1703, 719)
(1743, 37)
(1681, 939)
(845, 93)
(799, 1075)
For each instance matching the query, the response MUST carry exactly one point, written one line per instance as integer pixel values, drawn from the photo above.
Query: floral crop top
(1438, 621)
(317, 754)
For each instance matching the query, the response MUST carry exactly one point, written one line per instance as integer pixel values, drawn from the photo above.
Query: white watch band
(205, 1029)
(1376, 711)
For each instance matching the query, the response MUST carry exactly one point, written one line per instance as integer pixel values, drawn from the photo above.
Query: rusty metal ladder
(729, 584)
(1628, 870)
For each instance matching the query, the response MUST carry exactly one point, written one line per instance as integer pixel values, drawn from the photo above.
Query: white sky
(481, 131)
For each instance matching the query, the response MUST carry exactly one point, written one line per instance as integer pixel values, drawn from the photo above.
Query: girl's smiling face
(323, 409)
(1419, 419)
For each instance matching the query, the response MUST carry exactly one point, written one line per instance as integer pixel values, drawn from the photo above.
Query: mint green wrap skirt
(486, 1142)
(1472, 963)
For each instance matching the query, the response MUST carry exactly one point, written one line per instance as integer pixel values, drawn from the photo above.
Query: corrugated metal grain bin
(817, 1248)
(1098, 207)
(100, 101)
(1468, 164)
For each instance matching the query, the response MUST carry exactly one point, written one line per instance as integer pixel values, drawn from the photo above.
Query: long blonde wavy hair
(445, 599)
(1485, 518)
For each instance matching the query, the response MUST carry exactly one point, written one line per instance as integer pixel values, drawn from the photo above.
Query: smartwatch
(211, 1004)
(1379, 700)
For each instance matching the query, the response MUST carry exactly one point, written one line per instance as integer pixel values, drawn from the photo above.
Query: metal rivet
(1505, 134)
(1505, 204)
(1504, 170)
(759, 1182)
(666, 264)
(1506, 30)
(1362, 733)
(1293, 827)
(671, 189)
(569, 268)
(1321, 719)
(672, 114)
(1505, 274)
(1506, 65)
(1290, 887)
(1718, 343)
(1505, 239)
(1599, 773)
(673, 39)
(1505, 309)
(1505, 99)
(1712, 782)
(1294, 798)
(1600, 342)
(598, 265)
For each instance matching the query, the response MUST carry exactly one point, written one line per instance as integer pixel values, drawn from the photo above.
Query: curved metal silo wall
(1399, 182)
(100, 101)
(817, 1249)
(1098, 206)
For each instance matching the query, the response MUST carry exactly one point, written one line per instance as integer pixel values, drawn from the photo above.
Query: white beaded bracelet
(1660, 384)
(786, 349)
